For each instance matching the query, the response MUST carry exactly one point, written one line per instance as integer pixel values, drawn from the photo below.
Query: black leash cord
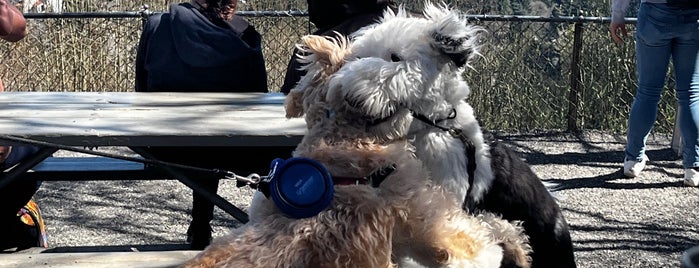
(470, 152)
(127, 158)
(426, 120)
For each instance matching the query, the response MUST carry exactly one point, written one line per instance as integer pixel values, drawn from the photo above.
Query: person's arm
(293, 73)
(13, 26)
(258, 72)
(617, 28)
(141, 75)
(142, 51)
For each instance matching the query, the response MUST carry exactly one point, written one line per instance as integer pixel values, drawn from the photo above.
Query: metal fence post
(575, 76)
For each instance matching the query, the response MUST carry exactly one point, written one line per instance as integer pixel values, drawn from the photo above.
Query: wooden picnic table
(65, 120)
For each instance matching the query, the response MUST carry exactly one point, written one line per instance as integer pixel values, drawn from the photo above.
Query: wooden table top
(149, 119)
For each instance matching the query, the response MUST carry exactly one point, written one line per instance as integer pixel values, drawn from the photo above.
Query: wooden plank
(98, 259)
(138, 98)
(138, 126)
(155, 119)
(289, 141)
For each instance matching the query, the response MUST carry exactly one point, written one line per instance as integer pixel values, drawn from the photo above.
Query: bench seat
(98, 259)
(93, 168)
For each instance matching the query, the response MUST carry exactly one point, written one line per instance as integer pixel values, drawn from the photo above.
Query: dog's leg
(483, 175)
(444, 235)
(518, 194)
(459, 241)
(219, 255)
(261, 207)
(512, 239)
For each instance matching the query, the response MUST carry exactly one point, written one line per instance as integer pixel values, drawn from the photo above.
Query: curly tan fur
(407, 216)
(364, 226)
(320, 56)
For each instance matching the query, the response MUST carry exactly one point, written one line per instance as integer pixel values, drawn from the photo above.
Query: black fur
(517, 193)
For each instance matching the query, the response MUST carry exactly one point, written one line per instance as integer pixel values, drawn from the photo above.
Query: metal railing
(536, 73)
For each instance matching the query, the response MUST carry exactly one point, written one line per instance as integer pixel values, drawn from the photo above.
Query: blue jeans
(664, 33)
(693, 106)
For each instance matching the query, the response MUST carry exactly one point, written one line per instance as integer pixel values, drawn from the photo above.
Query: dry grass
(523, 81)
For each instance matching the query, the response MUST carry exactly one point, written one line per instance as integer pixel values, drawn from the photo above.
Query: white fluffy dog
(410, 67)
(406, 64)
(377, 224)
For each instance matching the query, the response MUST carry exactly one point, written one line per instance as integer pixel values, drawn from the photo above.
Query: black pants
(13, 197)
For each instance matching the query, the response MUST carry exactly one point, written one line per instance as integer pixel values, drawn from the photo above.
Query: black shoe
(199, 236)
(24, 230)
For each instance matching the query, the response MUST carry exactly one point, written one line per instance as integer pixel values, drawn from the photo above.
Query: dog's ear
(452, 35)
(325, 53)
(320, 57)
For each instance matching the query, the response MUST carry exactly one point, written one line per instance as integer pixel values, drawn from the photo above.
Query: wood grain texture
(149, 119)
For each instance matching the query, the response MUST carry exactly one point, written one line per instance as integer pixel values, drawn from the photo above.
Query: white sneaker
(691, 177)
(633, 168)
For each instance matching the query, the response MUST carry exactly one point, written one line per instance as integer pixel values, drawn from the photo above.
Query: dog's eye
(394, 57)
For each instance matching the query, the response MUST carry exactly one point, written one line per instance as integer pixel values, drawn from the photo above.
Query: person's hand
(618, 32)
(13, 26)
(4, 153)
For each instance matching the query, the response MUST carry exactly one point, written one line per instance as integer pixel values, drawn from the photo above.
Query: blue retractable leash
(300, 187)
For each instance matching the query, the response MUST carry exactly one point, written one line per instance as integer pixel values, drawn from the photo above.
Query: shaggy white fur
(407, 216)
(407, 63)
(409, 67)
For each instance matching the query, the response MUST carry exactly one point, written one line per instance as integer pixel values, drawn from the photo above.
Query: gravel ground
(615, 221)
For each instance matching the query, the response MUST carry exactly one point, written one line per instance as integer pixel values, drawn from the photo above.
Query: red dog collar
(375, 178)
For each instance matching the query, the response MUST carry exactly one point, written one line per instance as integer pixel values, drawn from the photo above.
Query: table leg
(205, 192)
(219, 201)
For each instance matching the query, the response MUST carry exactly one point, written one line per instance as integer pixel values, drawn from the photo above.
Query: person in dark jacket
(198, 48)
(342, 16)
(202, 46)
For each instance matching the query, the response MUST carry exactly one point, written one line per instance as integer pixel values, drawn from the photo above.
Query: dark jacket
(184, 51)
(342, 16)
(18, 154)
